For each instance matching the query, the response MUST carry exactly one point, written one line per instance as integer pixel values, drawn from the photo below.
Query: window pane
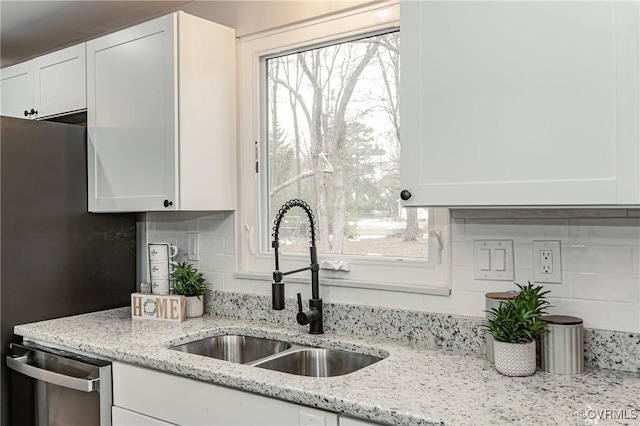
(333, 134)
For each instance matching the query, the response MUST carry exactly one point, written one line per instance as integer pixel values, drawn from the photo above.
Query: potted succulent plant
(515, 325)
(190, 283)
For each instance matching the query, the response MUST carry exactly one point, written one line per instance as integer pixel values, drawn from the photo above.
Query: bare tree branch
(298, 96)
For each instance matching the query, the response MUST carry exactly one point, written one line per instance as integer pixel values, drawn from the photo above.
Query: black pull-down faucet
(312, 315)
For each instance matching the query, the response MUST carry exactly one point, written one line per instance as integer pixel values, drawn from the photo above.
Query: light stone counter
(415, 384)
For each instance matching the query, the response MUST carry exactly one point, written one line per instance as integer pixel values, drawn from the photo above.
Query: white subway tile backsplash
(162, 216)
(481, 213)
(182, 242)
(600, 314)
(222, 226)
(210, 244)
(608, 287)
(332, 294)
(462, 253)
(597, 259)
(562, 290)
(605, 232)
(568, 213)
(172, 226)
(382, 298)
(229, 282)
(214, 216)
(214, 280)
(457, 229)
(228, 224)
(248, 286)
(462, 277)
(229, 246)
(212, 226)
(150, 227)
(519, 230)
(459, 303)
(600, 259)
(524, 213)
(522, 256)
(218, 263)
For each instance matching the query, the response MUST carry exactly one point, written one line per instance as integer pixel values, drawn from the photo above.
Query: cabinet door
(60, 84)
(122, 417)
(131, 117)
(191, 402)
(16, 90)
(520, 103)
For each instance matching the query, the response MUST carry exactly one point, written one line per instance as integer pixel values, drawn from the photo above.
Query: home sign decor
(158, 307)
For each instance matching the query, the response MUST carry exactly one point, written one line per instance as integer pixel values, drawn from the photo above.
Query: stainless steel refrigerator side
(56, 258)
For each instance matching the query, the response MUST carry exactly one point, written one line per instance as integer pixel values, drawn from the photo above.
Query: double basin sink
(279, 355)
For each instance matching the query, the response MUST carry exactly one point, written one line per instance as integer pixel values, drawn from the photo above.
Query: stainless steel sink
(238, 349)
(278, 355)
(317, 362)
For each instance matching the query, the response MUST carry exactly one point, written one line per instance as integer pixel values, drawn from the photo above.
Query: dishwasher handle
(19, 364)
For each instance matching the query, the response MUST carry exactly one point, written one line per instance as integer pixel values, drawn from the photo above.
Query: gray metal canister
(493, 300)
(562, 348)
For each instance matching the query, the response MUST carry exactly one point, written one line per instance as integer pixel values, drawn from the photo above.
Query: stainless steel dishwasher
(63, 388)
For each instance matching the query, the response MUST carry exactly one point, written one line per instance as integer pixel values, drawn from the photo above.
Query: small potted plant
(515, 325)
(190, 283)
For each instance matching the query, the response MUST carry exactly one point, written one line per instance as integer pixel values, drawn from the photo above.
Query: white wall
(600, 261)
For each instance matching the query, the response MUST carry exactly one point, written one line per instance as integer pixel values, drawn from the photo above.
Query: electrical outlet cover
(547, 262)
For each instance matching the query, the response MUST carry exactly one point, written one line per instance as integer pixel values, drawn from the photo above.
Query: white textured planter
(515, 359)
(195, 306)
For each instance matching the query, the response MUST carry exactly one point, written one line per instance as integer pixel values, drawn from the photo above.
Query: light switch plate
(493, 260)
(547, 262)
(193, 246)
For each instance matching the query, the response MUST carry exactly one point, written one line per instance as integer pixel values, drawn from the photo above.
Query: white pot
(515, 359)
(195, 306)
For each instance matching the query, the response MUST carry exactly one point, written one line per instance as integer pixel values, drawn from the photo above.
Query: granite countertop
(415, 384)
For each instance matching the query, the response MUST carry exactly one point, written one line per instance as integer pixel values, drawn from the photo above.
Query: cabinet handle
(405, 195)
(26, 113)
(33, 111)
(168, 203)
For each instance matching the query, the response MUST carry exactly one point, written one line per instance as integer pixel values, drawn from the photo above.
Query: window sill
(405, 288)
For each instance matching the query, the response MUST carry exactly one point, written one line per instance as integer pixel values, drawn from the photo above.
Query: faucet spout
(313, 315)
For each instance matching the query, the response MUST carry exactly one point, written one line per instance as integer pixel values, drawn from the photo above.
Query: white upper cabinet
(47, 86)
(16, 90)
(521, 103)
(161, 117)
(60, 82)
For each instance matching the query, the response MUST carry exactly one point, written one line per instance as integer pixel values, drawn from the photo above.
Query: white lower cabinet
(144, 396)
(122, 417)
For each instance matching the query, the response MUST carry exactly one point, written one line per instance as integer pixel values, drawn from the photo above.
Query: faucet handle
(304, 317)
(299, 302)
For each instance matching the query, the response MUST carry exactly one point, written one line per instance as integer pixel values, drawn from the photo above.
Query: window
(333, 135)
(323, 107)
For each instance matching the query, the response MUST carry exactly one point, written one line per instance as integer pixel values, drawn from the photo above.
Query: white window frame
(253, 259)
